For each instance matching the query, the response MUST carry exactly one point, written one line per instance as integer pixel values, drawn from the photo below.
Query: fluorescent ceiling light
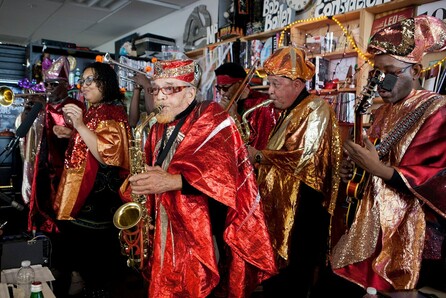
(159, 3)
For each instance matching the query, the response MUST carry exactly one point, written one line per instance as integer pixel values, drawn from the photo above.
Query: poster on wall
(9, 114)
(277, 14)
(436, 9)
(231, 23)
(392, 18)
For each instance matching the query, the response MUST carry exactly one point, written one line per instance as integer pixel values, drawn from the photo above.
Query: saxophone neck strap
(165, 149)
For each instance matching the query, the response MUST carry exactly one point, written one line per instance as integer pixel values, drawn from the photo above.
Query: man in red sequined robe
(397, 238)
(198, 162)
(261, 121)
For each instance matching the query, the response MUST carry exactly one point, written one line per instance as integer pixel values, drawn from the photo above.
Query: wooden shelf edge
(336, 55)
(261, 35)
(346, 17)
(396, 4)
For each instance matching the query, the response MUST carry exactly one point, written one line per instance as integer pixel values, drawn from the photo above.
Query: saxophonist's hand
(155, 180)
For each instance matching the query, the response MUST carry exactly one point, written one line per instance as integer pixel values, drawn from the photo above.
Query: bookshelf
(358, 23)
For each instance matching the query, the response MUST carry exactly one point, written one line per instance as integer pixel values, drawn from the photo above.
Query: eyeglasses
(224, 88)
(168, 90)
(53, 84)
(87, 81)
(395, 73)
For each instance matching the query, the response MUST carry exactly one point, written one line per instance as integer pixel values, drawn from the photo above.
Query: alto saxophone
(132, 218)
(246, 129)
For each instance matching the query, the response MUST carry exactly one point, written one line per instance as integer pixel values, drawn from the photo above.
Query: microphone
(23, 129)
(11, 202)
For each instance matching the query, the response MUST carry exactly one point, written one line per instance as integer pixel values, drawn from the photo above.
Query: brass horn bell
(6, 96)
(128, 215)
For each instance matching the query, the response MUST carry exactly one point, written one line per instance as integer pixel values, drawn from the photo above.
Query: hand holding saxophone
(154, 180)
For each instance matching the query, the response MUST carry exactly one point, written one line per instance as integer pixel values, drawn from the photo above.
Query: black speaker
(16, 249)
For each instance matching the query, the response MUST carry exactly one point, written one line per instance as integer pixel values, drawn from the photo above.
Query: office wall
(172, 25)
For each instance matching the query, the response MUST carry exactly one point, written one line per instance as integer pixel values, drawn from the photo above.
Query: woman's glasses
(223, 88)
(86, 81)
(167, 90)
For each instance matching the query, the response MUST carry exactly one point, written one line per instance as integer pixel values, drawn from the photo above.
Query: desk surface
(420, 293)
(4, 291)
(8, 277)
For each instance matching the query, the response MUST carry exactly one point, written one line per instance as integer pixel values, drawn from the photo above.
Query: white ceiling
(87, 23)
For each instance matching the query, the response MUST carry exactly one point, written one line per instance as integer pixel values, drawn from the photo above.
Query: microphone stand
(8, 191)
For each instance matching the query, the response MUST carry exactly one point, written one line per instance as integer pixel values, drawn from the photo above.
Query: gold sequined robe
(387, 238)
(306, 148)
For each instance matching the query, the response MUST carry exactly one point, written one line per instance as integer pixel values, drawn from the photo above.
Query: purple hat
(59, 70)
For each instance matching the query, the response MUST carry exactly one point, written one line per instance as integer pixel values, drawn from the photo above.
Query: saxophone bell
(132, 218)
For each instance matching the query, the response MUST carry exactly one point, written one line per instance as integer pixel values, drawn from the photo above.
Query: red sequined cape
(209, 153)
(47, 168)
(110, 123)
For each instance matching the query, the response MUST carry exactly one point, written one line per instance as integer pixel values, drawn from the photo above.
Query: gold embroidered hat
(185, 70)
(410, 39)
(289, 62)
(59, 70)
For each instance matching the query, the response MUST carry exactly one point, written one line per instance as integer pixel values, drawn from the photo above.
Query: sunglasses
(87, 81)
(395, 73)
(53, 84)
(223, 88)
(167, 90)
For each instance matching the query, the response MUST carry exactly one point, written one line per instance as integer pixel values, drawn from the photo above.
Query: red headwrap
(227, 80)
(184, 70)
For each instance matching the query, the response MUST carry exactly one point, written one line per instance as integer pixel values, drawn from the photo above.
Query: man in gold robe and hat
(298, 174)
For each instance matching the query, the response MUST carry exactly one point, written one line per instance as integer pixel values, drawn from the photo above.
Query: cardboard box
(314, 44)
(152, 43)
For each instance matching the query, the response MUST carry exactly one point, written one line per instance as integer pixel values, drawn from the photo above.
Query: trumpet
(107, 59)
(243, 85)
(7, 96)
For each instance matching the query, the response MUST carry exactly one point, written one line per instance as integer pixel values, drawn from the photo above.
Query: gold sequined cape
(306, 148)
(387, 237)
(110, 124)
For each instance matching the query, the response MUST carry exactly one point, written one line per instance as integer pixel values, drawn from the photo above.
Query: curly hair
(107, 82)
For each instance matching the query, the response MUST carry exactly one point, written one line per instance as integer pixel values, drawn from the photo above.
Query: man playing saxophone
(261, 121)
(196, 161)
